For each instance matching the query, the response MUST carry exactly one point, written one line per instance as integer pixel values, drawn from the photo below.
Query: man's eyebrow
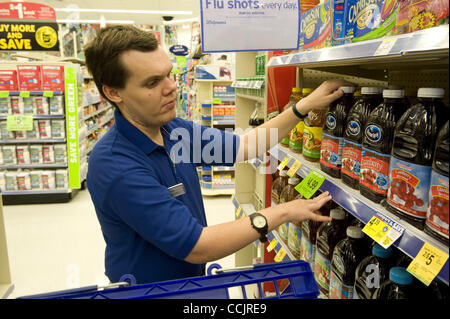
(155, 77)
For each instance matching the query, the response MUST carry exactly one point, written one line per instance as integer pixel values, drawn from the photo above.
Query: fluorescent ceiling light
(181, 21)
(95, 21)
(122, 11)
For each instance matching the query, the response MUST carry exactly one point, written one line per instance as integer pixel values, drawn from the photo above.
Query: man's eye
(152, 83)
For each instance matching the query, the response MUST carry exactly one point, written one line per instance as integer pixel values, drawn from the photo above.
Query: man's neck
(152, 132)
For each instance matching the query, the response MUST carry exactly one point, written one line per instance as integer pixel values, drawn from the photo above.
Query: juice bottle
(347, 254)
(328, 235)
(412, 157)
(287, 194)
(372, 271)
(333, 132)
(354, 133)
(437, 214)
(278, 184)
(377, 145)
(296, 135)
(398, 286)
(309, 235)
(312, 135)
(293, 99)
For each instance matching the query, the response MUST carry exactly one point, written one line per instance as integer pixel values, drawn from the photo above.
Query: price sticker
(428, 263)
(383, 230)
(4, 93)
(272, 245)
(217, 101)
(283, 163)
(24, 94)
(238, 212)
(294, 168)
(47, 94)
(280, 255)
(19, 123)
(310, 184)
(385, 47)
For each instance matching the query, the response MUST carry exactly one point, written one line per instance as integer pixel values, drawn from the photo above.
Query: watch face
(259, 221)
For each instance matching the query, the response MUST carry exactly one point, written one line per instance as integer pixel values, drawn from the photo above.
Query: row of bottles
(390, 151)
(346, 263)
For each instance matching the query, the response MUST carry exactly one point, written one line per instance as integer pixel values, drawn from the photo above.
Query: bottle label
(351, 159)
(283, 231)
(375, 171)
(296, 137)
(307, 250)
(409, 187)
(339, 290)
(322, 270)
(331, 151)
(294, 238)
(437, 213)
(312, 140)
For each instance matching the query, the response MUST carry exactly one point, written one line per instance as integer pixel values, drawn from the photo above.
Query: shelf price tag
(4, 93)
(47, 94)
(310, 184)
(383, 230)
(385, 47)
(24, 94)
(283, 163)
(19, 123)
(238, 212)
(294, 168)
(217, 101)
(428, 263)
(272, 245)
(280, 255)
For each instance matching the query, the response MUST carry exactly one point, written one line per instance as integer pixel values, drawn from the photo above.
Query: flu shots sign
(249, 25)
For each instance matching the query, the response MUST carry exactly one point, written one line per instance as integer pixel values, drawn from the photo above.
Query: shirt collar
(133, 134)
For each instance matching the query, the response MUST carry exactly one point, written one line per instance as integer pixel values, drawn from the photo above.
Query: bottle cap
(337, 213)
(379, 251)
(400, 276)
(354, 232)
(348, 89)
(393, 94)
(431, 92)
(307, 90)
(371, 90)
(293, 180)
(283, 173)
(296, 90)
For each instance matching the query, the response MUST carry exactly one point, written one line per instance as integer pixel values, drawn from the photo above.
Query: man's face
(148, 97)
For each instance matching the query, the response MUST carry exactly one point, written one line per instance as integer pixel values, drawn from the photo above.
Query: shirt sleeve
(147, 207)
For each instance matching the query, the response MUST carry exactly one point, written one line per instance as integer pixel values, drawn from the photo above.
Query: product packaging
(61, 179)
(48, 154)
(60, 153)
(56, 105)
(22, 154)
(23, 181)
(8, 80)
(10, 181)
(52, 77)
(29, 106)
(17, 105)
(36, 154)
(58, 129)
(9, 154)
(5, 106)
(34, 133)
(48, 179)
(315, 29)
(45, 129)
(29, 77)
(41, 105)
(36, 180)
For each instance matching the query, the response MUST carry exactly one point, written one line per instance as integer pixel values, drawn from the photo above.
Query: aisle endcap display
(403, 47)
(363, 209)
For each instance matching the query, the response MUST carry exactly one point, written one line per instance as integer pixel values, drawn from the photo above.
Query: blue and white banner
(250, 25)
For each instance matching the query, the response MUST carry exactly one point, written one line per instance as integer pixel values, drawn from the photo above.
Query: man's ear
(112, 94)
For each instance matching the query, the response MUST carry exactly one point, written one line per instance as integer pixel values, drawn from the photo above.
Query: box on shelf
(8, 80)
(29, 77)
(414, 15)
(214, 72)
(315, 30)
(52, 77)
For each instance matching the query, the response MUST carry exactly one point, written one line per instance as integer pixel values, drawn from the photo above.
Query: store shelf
(38, 196)
(37, 117)
(33, 93)
(362, 208)
(33, 141)
(217, 191)
(251, 97)
(33, 166)
(87, 117)
(429, 45)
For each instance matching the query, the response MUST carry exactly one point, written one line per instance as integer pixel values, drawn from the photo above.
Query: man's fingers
(319, 218)
(321, 201)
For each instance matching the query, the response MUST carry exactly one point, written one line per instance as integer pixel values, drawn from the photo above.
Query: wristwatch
(297, 113)
(259, 223)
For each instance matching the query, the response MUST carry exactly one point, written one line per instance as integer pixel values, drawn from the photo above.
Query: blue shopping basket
(292, 279)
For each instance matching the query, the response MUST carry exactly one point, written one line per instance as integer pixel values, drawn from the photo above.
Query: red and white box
(52, 77)
(29, 77)
(8, 80)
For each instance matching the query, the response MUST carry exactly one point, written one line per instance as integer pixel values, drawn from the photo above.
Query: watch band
(262, 231)
(297, 113)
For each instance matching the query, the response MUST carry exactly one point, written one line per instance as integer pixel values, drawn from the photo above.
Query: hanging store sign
(179, 50)
(249, 25)
(28, 27)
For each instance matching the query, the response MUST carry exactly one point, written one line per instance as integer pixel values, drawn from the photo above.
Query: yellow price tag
(238, 211)
(376, 229)
(428, 263)
(283, 163)
(294, 168)
(272, 245)
(280, 255)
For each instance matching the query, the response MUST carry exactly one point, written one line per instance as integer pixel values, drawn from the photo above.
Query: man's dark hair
(104, 51)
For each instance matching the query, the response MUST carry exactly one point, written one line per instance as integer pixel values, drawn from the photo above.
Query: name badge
(177, 190)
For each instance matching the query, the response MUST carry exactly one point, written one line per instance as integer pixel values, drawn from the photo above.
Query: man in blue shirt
(142, 174)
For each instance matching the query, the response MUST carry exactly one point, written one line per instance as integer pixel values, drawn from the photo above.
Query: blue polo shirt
(148, 232)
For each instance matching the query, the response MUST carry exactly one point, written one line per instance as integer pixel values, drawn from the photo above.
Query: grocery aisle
(60, 246)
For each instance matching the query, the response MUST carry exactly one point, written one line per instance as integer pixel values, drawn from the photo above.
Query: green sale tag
(48, 94)
(24, 94)
(19, 123)
(310, 184)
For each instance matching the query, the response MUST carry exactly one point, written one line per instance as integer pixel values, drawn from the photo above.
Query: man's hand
(323, 96)
(303, 209)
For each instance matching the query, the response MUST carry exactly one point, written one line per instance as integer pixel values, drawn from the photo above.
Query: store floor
(60, 246)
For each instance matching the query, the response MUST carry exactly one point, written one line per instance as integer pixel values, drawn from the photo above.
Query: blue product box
(315, 27)
(342, 32)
